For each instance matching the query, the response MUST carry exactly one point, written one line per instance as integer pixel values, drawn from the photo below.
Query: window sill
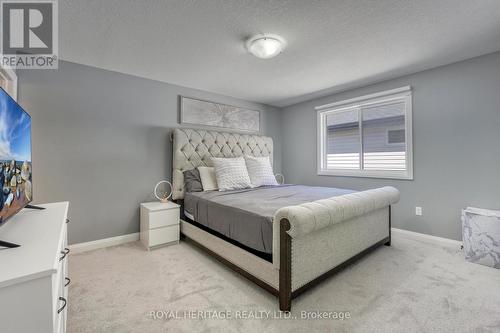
(403, 175)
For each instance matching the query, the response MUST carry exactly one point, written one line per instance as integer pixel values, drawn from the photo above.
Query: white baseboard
(427, 238)
(112, 241)
(102, 243)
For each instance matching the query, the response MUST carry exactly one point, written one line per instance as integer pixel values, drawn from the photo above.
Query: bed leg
(285, 274)
(388, 243)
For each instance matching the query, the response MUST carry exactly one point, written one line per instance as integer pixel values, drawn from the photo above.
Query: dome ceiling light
(265, 46)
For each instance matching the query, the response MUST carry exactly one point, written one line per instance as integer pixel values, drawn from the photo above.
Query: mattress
(246, 216)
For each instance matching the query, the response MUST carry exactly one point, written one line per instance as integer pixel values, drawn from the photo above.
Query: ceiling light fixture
(265, 46)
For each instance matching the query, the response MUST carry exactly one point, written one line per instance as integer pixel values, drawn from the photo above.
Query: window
(369, 136)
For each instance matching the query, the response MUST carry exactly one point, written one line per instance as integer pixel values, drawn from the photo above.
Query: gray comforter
(246, 215)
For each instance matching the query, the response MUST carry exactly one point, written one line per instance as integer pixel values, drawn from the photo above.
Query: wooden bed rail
(285, 287)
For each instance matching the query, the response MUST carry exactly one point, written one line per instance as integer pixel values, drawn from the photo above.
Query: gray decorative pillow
(192, 181)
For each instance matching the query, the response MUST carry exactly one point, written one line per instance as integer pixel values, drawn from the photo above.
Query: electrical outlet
(418, 211)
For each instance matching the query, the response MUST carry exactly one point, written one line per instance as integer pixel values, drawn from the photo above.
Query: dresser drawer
(163, 218)
(58, 277)
(164, 235)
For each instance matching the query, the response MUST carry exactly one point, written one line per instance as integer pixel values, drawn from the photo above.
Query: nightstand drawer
(163, 218)
(164, 235)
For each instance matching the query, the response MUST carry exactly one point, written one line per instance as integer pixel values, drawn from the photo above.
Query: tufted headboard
(194, 147)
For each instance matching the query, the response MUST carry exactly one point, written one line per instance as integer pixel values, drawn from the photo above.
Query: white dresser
(159, 224)
(34, 277)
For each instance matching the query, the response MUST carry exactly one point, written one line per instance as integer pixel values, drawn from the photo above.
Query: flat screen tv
(15, 157)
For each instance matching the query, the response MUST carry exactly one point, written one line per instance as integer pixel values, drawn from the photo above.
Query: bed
(284, 238)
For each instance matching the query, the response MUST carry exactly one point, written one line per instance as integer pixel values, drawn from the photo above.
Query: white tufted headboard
(194, 147)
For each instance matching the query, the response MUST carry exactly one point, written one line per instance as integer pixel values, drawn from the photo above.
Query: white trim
(409, 135)
(322, 111)
(102, 243)
(427, 238)
(320, 147)
(118, 240)
(363, 98)
(381, 174)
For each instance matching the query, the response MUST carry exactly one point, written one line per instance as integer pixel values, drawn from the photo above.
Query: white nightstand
(159, 224)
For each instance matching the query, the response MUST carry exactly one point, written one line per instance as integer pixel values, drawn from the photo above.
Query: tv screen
(15, 157)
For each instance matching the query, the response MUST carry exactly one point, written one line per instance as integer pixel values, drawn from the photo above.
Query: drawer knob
(64, 253)
(67, 221)
(64, 305)
(68, 281)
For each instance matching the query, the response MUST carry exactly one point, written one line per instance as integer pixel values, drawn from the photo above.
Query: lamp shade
(265, 47)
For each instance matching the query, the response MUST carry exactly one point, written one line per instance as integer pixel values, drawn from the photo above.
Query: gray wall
(456, 145)
(101, 141)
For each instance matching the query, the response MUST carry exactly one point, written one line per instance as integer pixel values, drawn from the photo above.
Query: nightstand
(159, 224)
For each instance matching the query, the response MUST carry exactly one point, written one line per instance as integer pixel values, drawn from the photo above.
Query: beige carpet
(409, 287)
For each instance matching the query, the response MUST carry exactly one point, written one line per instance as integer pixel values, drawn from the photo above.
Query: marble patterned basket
(481, 236)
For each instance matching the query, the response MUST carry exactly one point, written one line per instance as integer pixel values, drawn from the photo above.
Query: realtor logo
(29, 34)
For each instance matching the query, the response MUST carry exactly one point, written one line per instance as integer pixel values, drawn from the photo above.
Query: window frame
(404, 94)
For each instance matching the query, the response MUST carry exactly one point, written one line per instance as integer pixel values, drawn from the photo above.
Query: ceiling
(332, 45)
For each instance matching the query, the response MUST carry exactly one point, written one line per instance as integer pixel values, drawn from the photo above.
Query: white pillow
(208, 180)
(231, 173)
(260, 171)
